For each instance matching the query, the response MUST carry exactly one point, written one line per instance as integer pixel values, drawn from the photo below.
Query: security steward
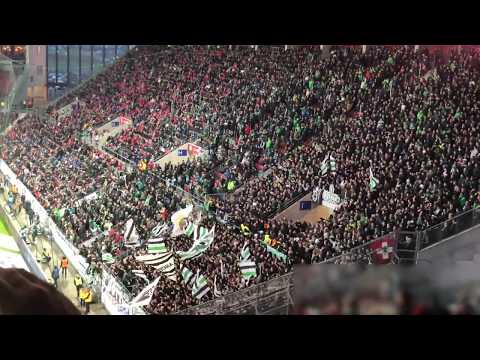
(64, 266)
(78, 282)
(88, 300)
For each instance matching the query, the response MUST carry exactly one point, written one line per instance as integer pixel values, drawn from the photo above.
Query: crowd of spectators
(415, 128)
(245, 106)
(409, 116)
(56, 174)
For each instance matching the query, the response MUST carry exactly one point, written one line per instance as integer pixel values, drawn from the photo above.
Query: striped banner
(156, 246)
(200, 288)
(248, 269)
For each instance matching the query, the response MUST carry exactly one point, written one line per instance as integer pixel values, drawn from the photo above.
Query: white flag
(131, 236)
(216, 292)
(324, 165)
(140, 274)
(373, 180)
(333, 164)
(221, 267)
(164, 262)
(145, 296)
(177, 218)
(200, 287)
(159, 230)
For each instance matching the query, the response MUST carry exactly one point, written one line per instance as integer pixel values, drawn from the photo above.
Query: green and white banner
(156, 246)
(164, 262)
(373, 180)
(188, 276)
(108, 258)
(200, 287)
(275, 252)
(200, 245)
(247, 266)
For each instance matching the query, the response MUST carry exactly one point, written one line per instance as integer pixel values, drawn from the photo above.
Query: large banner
(114, 298)
(328, 198)
(331, 200)
(65, 111)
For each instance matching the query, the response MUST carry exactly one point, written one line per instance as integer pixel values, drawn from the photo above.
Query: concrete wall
(461, 248)
(294, 213)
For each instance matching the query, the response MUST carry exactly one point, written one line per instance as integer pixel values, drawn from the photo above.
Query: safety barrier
(70, 251)
(25, 251)
(115, 296)
(268, 298)
(449, 228)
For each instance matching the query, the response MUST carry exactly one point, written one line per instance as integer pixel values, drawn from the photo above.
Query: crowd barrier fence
(27, 255)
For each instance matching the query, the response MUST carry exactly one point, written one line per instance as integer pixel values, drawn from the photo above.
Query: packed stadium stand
(392, 131)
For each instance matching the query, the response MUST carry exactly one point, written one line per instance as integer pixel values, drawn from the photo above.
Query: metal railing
(449, 228)
(361, 253)
(271, 297)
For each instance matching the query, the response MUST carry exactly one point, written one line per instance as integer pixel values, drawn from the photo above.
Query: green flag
(93, 225)
(108, 258)
(373, 181)
(147, 200)
(206, 206)
(310, 85)
(269, 143)
(248, 268)
(231, 185)
(275, 252)
(420, 115)
(156, 246)
(190, 229)
(360, 74)
(140, 185)
(59, 213)
(296, 125)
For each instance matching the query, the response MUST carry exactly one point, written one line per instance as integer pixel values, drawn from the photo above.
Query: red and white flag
(123, 120)
(193, 150)
(382, 250)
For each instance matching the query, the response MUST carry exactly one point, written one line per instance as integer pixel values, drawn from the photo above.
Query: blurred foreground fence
(272, 297)
(276, 296)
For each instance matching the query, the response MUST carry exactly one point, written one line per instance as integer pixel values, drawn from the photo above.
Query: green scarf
(310, 85)
(269, 144)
